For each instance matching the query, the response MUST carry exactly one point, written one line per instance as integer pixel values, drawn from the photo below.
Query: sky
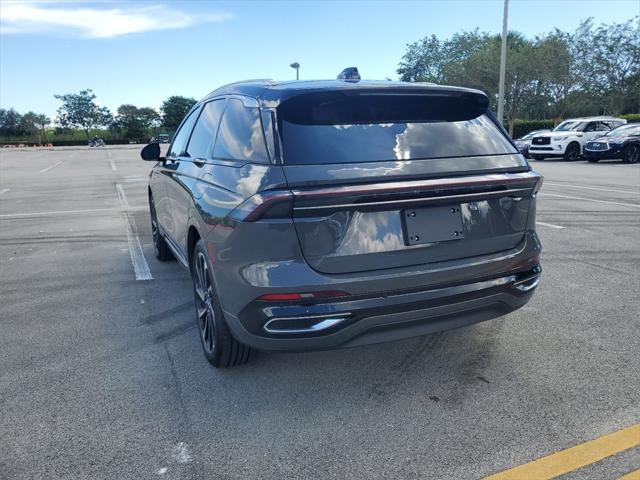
(141, 52)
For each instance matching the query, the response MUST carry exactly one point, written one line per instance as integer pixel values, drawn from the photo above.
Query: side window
(604, 127)
(181, 137)
(204, 133)
(240, 134)
(591, 127)
(269, 132)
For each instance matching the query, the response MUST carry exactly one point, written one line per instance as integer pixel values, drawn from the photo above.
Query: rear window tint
(240, 134)
(372, 128)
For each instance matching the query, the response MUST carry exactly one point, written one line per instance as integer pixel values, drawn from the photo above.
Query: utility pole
(296, 65)
(503, 62)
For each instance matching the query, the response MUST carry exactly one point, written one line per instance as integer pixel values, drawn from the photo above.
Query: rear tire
(631, 154)
(159, 243)
(218, 344)
(572, 153)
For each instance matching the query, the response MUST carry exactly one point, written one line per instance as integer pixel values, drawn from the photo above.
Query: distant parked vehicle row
(567, 140)
(523, 143)
(622, 142)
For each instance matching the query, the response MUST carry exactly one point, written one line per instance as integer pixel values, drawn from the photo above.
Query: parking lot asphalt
(102, 375)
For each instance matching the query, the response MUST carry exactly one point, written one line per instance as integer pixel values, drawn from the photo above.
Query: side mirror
(151, 152)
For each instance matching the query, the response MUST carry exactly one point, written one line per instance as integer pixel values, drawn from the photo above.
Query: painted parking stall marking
(140, 266)
(550, 225)
(635, 475)
(50, 167)
(609, 202)
(583, 187)
(574, 458)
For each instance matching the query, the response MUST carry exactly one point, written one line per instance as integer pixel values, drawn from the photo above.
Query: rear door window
(371, 128)
(180, 139)
(204, 133)
(240, 137)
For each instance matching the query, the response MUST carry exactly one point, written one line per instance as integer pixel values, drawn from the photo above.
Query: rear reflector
(284, 297)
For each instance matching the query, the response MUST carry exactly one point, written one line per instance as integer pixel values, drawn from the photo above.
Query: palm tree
(296, 65)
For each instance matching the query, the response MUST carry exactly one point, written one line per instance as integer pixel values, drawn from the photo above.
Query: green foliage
(522, 127)
(11, 123)
(133, 123)
(174, 110)
(594, 70)
(632, 117)
(79, 110)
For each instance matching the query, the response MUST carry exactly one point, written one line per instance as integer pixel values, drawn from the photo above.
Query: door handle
(199, 161)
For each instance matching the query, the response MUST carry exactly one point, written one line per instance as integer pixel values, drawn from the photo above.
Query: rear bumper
(386, 316)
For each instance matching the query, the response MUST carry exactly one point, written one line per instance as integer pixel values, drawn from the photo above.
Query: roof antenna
(349, 74)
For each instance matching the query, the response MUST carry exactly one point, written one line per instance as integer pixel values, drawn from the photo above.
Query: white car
(568, 139)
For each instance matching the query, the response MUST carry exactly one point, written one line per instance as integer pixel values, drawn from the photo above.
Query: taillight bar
(280, 203)
(506, 179)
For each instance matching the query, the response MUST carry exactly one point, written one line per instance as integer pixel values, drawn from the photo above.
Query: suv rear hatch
(387, 178)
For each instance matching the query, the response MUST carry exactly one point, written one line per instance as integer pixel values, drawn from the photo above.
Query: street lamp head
(295, 65)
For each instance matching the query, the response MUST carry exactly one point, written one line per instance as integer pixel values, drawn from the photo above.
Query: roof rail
(252, 80)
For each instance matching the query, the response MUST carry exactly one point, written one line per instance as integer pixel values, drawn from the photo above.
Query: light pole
(503, 62)
(296, 65)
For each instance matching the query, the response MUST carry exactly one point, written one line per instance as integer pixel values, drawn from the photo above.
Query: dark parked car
(523, 143)
(622, 142)
(315, 215)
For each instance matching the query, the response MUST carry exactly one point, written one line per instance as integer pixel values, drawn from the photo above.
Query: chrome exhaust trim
(324, 322)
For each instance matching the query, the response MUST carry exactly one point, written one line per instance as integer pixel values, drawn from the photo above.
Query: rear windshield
(346, 128)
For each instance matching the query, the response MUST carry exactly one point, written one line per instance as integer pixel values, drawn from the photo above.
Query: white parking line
(140, 266)
(592, 188)
(3, 191)
(633, 205)
(113, 165)
(71, 212)
(550, 225)
(121, 196)
(50, 167)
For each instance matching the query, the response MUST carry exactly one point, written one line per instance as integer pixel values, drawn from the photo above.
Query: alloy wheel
(634, 154)
(204, 303)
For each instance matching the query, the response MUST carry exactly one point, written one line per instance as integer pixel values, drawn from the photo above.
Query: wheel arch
(193, 235)
(571, 142)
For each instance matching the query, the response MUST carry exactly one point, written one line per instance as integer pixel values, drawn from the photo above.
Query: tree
(608, 59)
(587, 72)
(132, 122)
(431, 60)
(36, 124)
(174, 110)
(11, 124)
(472, 59)
(79, 110)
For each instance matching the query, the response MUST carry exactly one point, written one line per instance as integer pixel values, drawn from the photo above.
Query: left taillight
(285, 297)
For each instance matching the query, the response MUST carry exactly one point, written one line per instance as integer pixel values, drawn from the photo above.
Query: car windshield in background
(370, 128)
(623, 131)
(567, 126)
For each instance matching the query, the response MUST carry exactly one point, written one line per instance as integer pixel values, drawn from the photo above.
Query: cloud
(91, 22)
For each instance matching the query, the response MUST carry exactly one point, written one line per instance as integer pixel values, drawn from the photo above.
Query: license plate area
(432, 224)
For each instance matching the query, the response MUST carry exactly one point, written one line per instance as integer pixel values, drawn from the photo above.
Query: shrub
(522, 127)
(631, 117)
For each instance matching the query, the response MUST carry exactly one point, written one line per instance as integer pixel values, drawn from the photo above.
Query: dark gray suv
(324, 214)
